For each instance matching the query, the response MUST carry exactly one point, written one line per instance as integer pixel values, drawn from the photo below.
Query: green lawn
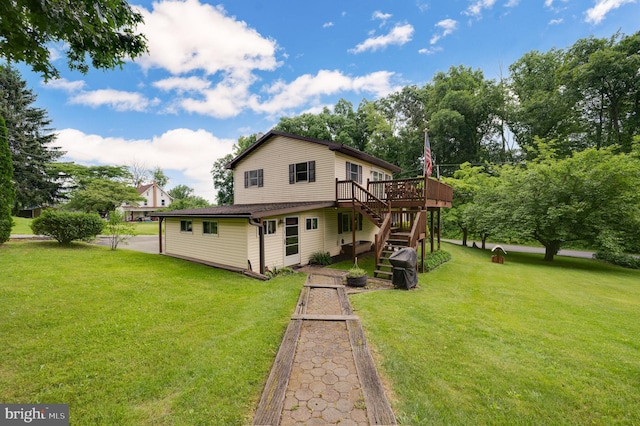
(129, 338)
(527, 342)
(23, 226)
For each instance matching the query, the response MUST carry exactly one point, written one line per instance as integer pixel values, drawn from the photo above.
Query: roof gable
(333, 146)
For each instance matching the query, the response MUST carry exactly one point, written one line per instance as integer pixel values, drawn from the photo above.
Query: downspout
(258, 223)
(160, 234)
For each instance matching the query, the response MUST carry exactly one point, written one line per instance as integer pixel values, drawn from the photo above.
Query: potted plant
(356, 276)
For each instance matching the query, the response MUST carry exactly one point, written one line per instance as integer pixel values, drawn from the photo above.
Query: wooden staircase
(409, 227)
(396, 241)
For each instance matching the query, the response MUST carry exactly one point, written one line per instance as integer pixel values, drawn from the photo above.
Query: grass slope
(129, 338)
(527, 342)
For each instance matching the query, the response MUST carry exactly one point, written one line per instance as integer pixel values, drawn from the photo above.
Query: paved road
(526, 249)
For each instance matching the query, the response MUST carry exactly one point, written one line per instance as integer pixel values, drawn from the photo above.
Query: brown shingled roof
(333, 146)
(250, 211)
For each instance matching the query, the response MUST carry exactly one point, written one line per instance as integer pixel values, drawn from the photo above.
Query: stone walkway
(324, 373)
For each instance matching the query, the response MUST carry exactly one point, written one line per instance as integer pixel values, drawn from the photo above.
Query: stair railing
(382, 236)
(419, 226)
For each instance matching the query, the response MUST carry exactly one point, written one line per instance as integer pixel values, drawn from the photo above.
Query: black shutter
(246, 179)
(260, 178)
(339, 223)
(348, 172)
(312, 171)
(292, 173)
(360, 175)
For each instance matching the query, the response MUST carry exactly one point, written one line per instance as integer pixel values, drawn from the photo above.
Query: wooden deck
(396, 193)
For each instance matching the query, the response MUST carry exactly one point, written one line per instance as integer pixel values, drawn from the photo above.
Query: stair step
(385, 273)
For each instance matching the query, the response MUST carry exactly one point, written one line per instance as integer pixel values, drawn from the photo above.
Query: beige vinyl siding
(274, 158)
(253, 244)
(367, 168)
(313, 240)
(229, 247)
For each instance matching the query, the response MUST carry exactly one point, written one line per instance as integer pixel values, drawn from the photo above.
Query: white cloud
(381, 16)
(598, 12)
(226, 100)
(187, 152)
(429, 51)
(475, 9)
(184, 36)
(327, 25)
(512, 3)
(556, 21)
(399, 35)
(64, 84)
(182, 85)
(308, 89)
(447, 26)
(116, 99)
(550, 4)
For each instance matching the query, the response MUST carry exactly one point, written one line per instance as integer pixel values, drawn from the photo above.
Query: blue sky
(217, 71)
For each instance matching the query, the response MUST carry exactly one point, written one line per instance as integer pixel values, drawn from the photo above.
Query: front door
(291, 241)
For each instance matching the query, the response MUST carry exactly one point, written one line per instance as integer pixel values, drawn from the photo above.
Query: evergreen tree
(30, 141)
(7, 193)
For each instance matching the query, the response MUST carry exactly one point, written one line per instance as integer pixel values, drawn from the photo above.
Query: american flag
(428, 164)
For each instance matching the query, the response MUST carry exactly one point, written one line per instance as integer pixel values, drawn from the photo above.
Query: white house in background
(155, 198)
(294, 196)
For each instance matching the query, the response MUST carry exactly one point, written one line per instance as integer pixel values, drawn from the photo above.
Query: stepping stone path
(323, 373)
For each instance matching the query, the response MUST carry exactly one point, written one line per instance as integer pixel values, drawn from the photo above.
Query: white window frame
(270, 226)
(311, 221)
(186, 226)
(212, 222)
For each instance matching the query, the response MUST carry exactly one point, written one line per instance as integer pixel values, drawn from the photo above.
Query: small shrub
(320, 258)
(620, 259)
(65, 227)
(117, 230)
(435, 259)
(285, 270)
(356, 272)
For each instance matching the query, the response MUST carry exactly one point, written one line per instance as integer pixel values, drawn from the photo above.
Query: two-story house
(294, 196)
(155, 198)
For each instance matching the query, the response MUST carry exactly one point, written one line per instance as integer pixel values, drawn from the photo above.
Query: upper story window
(302, 172)
(254, 178)
(376, 176)
(186, 226)
(145, 202)
(354, 172)
(162, 202)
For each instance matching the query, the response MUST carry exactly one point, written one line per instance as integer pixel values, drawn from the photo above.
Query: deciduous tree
(587, 197)
(102, 196)
(103, 31)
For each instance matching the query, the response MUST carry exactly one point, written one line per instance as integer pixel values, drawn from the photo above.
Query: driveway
(143, 243)
(526, 249)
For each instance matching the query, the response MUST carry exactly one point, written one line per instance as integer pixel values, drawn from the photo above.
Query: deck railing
(410, 190)
(350, 191)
